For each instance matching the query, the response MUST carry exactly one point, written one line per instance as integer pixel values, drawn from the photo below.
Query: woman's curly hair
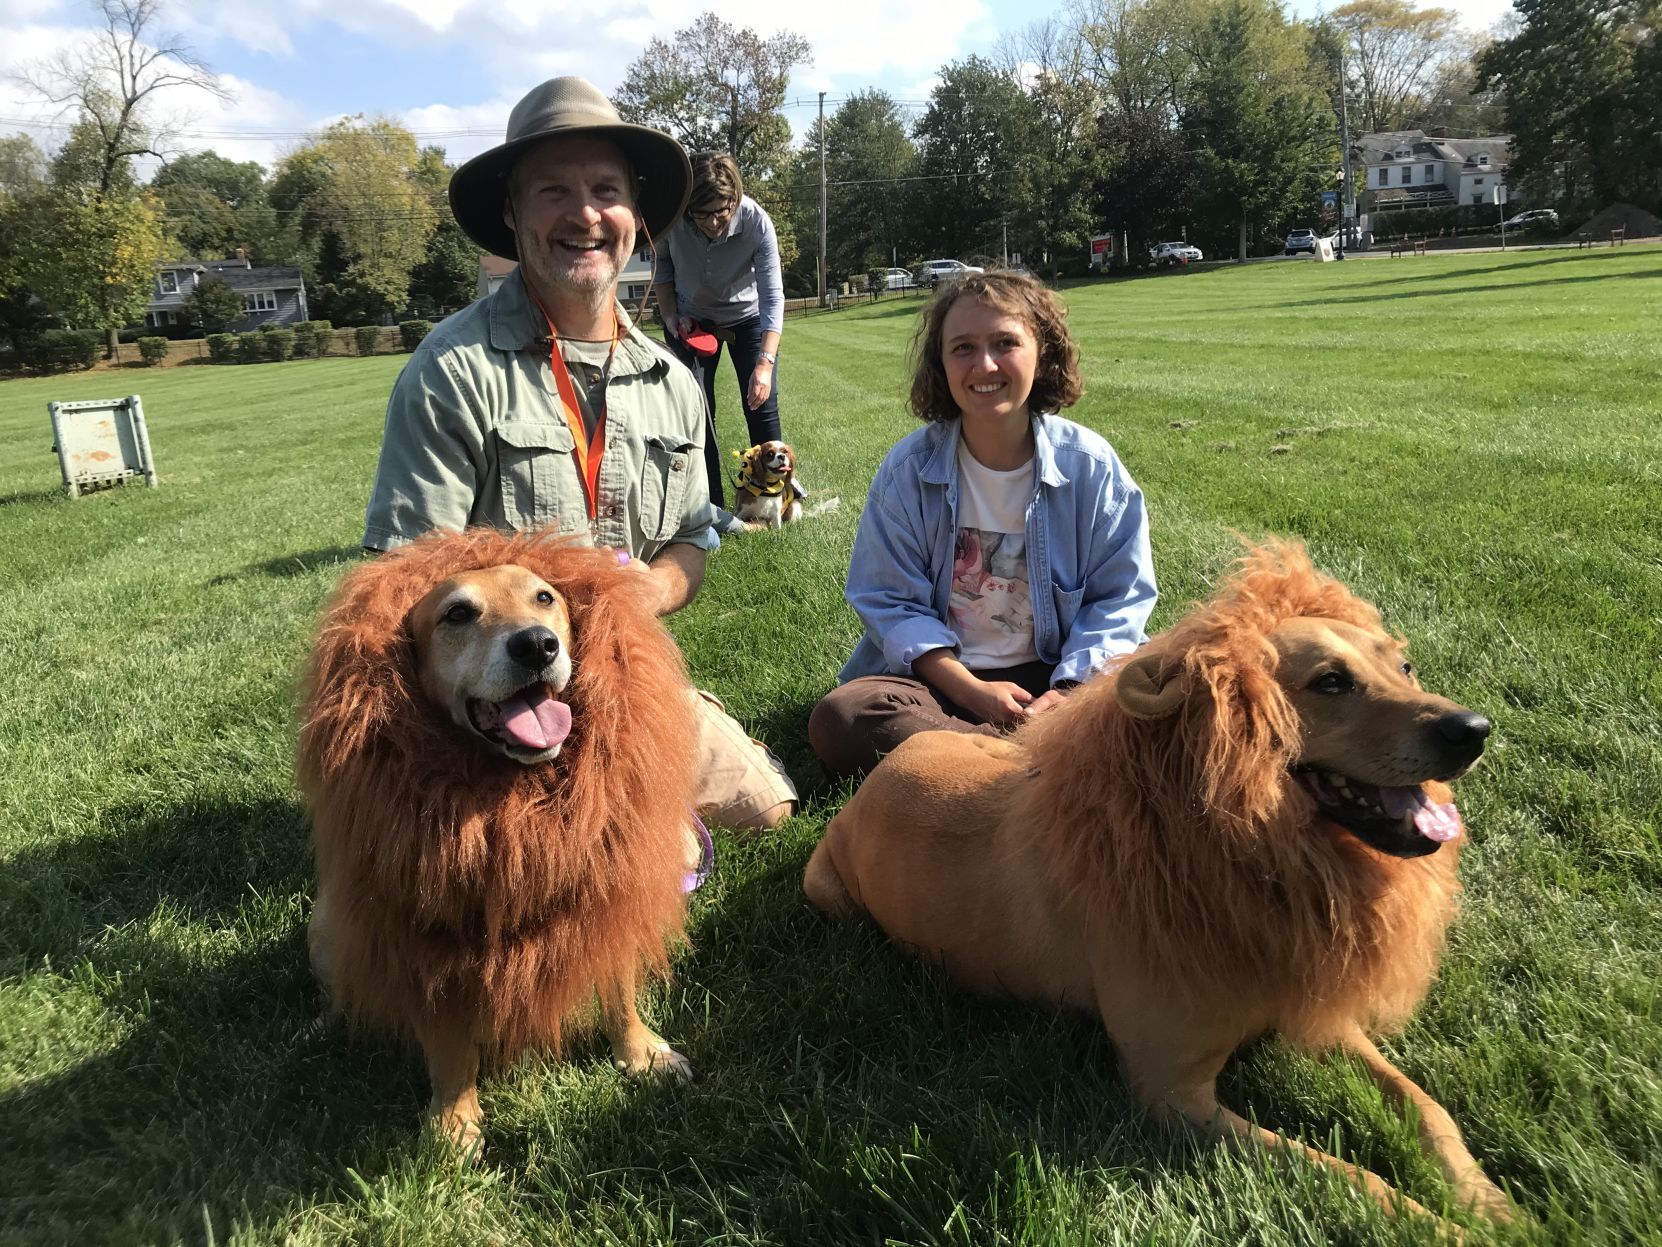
(1056, 382)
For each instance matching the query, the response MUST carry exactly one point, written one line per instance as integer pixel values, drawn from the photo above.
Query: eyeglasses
(710, 214)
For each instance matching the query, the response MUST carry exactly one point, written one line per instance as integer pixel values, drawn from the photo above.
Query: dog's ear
(1145, 689)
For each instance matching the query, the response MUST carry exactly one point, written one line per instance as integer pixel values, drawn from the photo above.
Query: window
(1384, 177)
(1483, 158)
(159, 319)
(1407, 174)
(169, 281)
(259, 301)
(1478, 198)
(1431, 173)
(1477, 181)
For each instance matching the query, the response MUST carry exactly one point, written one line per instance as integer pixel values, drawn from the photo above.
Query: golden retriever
(497, 757)
(1243, 828)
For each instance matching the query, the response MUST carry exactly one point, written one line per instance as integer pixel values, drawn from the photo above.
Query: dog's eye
(1407, 668)
(461, 613)
(1333, 682)
(544, 598)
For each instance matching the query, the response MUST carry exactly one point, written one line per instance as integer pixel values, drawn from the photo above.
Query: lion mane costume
(467, 890)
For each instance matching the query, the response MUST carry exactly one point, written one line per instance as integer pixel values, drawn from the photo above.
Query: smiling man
(543, 407)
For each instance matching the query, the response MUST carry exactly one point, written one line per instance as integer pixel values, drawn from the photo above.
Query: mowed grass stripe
(1467, 440)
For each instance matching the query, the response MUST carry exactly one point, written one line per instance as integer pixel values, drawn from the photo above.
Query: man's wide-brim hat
(568, 107)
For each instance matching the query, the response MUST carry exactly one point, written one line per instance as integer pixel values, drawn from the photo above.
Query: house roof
(260, 278)
(1381, 148)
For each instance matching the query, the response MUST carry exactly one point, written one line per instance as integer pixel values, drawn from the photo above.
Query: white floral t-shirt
(992, 605)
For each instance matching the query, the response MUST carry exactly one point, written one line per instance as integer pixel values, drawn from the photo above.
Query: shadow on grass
(33, 496)
(1444, 291)
(302, 563)
(846, 1091)
(176, 935)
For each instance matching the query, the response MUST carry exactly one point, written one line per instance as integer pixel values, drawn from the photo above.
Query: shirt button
(677, 464)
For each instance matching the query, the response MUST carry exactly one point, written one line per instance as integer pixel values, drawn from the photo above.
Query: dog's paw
(657, 1059)
(1482, 1198)
(461, 1135)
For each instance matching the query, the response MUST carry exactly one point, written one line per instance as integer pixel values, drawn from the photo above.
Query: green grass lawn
(1472, 442)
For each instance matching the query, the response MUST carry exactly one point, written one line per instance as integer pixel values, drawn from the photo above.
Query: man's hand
(761, 385)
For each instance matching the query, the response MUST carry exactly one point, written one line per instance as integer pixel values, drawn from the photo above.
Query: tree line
(1150, 119)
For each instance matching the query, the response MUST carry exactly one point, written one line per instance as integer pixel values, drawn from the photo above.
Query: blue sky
(451, 69)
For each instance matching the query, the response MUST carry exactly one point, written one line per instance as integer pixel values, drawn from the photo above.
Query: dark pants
(855, 724)
(744, 343)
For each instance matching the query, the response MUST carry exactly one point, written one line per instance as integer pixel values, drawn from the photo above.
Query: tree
(977, 179)
(363, 213)
(715, 87)
(214, 305)
(1147, 190)
(111, 84)
(1575, 75)
(448, 273)
(1259, 118)
(92, 261)
(23, 166)
(867, 156)
(1396, 53)
(215, 205)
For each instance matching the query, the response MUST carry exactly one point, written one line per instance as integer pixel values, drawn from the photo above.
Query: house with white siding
(1409, 169)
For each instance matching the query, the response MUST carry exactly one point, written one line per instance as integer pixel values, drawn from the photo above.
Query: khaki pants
(738, 777)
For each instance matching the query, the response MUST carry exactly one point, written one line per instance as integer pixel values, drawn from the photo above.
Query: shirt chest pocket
(665, 470)
(536, 474)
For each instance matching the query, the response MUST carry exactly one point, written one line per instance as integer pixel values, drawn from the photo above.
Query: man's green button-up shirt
(475, 435)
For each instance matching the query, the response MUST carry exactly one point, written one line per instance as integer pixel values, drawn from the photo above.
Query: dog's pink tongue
(534, 720)
(1435, 820)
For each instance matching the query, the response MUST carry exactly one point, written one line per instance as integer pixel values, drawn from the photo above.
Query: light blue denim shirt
(721, 281)
(1088, 558)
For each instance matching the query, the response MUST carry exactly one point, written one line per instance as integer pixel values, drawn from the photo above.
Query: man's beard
(553, 269)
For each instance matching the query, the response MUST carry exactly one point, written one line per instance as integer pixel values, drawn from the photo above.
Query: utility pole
(1006, 227)
(822, 275)
(1347, 189)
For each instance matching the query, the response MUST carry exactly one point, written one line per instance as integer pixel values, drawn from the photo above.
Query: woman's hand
(761, 385)
(998, 702)
(1047, 700)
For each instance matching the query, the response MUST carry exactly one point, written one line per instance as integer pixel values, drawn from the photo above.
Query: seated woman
(1003, 556)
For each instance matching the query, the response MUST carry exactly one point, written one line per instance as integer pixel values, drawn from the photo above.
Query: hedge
(152, 350)
(411, 332)
(222, 347)
(251, 347)
(366, 337)
(58, 350)
(311, 338)
(279, 344)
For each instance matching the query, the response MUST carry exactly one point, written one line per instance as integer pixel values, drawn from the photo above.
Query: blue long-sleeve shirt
(1089, 562)
(723, 280)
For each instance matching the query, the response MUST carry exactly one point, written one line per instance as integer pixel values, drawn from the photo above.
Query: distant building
(268, 294)
(1409, 169)
(632, 284)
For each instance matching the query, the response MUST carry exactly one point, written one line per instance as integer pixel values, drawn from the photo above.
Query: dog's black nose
(534, 647)
(1464, 729)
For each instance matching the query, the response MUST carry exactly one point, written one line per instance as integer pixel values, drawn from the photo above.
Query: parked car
(1535, 218)
(1301, 240)
(898, 279)
(1166, 253)
(931, 271)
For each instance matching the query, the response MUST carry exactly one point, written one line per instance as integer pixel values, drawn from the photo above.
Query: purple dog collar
(693, 879)
(622, 557)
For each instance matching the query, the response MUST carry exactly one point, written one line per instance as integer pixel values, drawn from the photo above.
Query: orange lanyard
(589, 451)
